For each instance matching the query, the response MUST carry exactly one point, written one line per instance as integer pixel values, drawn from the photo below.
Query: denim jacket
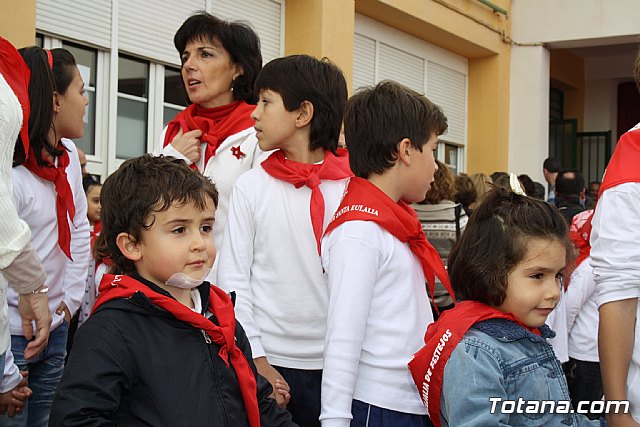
(500, 359)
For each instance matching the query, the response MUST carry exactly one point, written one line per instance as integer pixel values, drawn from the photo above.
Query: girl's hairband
(49, 58)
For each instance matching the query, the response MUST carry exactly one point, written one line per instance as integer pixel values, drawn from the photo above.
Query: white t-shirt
(582, 314)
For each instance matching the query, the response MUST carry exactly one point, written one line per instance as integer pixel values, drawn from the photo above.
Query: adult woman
(442, 221)
(48, 195)
(220, 61)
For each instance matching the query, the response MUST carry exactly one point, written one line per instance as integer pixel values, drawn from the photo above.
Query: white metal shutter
(146, 27)
(264, 16)
(364, 61)
(403, 67)
(85, 21)
(447, 88)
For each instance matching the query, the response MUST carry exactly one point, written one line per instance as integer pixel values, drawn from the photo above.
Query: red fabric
(113, 287)
(216, 124)
(332, 168)
(442, 337)
(363, 201)
(580, 234)
(17, 74)
(623, 166)
(64, 201)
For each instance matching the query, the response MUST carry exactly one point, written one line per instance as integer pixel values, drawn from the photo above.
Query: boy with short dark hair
(162, 347)
(376, 257)
(270, 255)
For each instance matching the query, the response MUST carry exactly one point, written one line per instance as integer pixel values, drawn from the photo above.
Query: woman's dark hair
(443, 186)
(299, 78)
(377, 118)
(466, 192)
(494, 242)
(237, 38)
(140, 187)
(64, 66)
(41, 87)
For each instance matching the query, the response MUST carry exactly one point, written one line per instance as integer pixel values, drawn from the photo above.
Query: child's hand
(13, 401)
(280, 387)
(63, 310)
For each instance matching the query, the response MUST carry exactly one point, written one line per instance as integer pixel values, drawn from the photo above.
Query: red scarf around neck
(216, 124)
(623, 166)
(363, 201)
(332, 168)
(65, 206)
(17, 74)
(442, 337)
(113, 287)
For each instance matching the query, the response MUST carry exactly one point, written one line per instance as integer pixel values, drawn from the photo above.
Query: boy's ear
(404, 151)
(129, 247)
(305, 114)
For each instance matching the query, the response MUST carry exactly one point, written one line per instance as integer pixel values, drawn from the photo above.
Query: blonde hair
(482, 183)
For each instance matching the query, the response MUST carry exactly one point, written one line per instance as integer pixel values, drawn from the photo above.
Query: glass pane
(86, 57)
(133, 76)
(451, 157)
(174, 92)
(132, 129)
(88, 140)
(168, 115)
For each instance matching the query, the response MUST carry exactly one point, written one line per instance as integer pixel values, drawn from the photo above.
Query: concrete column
(18, 22)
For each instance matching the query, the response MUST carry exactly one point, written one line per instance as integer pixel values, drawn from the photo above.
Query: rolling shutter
(447, 88)
(85, 21)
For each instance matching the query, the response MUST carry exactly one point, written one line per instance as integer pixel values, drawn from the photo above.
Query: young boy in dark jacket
(162, 347)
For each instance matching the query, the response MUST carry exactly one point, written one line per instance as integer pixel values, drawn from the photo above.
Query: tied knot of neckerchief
(113, 287)
(333, 167)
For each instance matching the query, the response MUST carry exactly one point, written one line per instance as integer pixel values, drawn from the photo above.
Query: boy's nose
(254, 113)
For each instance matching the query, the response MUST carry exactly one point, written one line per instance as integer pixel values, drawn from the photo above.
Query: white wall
(571, 21)
(529, 110)
(600, 106)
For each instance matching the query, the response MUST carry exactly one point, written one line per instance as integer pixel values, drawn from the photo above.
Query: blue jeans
(365, 415)
(45, 372)
(304, 405)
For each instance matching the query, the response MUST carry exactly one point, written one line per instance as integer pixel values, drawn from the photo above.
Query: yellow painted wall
(567, 73)
(321, 28)
(473, 30)
(18, 21)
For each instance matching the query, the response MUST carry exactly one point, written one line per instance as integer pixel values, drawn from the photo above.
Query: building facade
(511, 75)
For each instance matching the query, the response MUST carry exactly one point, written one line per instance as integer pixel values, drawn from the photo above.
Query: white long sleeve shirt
(17, 259)
(582, 314)
(615, 258)
(378, 314)
(270, 258)
(35, 200)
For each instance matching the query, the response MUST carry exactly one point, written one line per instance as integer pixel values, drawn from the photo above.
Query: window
(133, 99)
(87, 60)
(451, 157)
(175, 97)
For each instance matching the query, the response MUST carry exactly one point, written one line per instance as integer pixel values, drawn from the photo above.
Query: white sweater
(378, 314)
(35, 200)
(582, 314)
(615, 258)
(17, 259)
(270, 258)
(223, 169)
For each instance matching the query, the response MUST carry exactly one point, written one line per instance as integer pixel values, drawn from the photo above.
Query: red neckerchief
(580, 235)
(442, 337)
(17, 74)
(113, 287)
(64, 200)
(363, 201)
(623, 166)
(332, 168)
(216, 124)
